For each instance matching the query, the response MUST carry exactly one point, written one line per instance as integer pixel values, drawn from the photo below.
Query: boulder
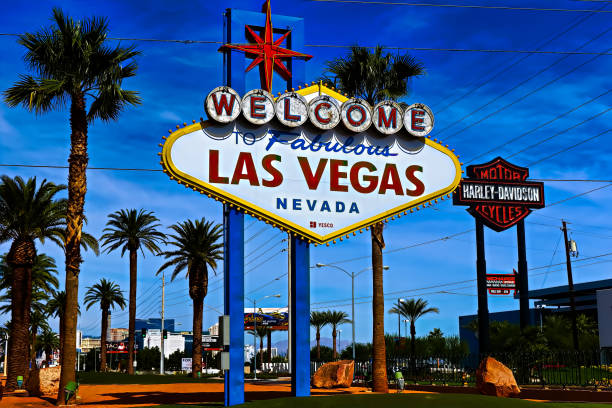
(494, 378)
(44, 381)
(338, 374)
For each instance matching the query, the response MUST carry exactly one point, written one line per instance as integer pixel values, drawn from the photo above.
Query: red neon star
(268, 52)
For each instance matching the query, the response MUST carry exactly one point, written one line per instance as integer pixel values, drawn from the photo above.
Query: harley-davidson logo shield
(499, 194)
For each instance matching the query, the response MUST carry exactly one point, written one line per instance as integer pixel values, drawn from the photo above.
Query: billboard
(501, 284)
(272, 318)
(312, 162)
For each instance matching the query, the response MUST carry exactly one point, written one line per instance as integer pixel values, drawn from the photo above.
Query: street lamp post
(406, 328)
(399, 329)
(352, 275)
(255, 330)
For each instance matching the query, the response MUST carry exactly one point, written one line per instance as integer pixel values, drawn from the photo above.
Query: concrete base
(16, 393)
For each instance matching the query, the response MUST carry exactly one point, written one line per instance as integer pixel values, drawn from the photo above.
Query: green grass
(402, 401)
(121, 378)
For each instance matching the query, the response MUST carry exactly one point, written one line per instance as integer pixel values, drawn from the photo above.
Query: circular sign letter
(418, 120)
(222, 104)
(324, 112)
(356, 115)
(291, 109)
(258, 106)
(387, 117)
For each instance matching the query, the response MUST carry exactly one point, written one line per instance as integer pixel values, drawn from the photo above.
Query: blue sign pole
(233, 222)
(233, 275)
(300, 317)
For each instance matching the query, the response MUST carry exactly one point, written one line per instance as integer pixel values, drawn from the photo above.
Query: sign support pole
(300, 317)
(523, 275)
(481, 275)
(233, 276)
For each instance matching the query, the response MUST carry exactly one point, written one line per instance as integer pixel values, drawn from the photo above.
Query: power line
(539, 142)
(579, 195)
(387, 3)
(514, 139)
(434, 49)
(569, 147)
(525, 96)
(481, 107)
(518, 61)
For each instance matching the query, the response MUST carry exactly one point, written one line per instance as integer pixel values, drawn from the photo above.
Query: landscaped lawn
(121, 378)
(403, 401)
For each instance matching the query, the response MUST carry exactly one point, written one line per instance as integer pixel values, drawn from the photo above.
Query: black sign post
(499, 196)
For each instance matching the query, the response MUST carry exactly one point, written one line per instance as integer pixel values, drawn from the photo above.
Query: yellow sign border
(281, 223)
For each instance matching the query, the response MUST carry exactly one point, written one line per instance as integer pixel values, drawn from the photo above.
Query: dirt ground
(135, 395)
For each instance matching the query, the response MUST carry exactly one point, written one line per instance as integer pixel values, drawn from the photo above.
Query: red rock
(494, 378)
(338, 374)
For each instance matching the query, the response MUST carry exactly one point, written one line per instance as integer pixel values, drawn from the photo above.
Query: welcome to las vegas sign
(312, 162)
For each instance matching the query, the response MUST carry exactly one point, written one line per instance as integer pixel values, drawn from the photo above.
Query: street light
(406, 328)
(255, 330)
(352, 275)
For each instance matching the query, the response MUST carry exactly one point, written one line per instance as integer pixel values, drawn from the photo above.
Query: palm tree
(132, 230)
(71, 61)
(372, 76)
(318, 320)
(335, 318)
(47, 342)
(197, 248)
(56, 307)
(260, 332)
(27, 213)
(412, 310)
(108, 295)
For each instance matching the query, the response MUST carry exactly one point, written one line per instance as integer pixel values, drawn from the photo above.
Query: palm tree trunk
(61, 338)
(196, 358)
(318, 344)
(103, 338)
(33, 348)
(379, 365)
(260, 351)
(334, 334)
(412, 339)
(77, 187)
(269, 346)
(20, 259)
(132, 309)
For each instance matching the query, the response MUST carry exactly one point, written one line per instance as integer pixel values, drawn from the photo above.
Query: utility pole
(570, 284)
(161, 334)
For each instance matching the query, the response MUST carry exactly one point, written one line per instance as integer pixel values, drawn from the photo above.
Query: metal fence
(558, 368)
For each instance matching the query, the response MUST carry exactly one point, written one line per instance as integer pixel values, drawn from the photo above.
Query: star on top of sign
(267, 51)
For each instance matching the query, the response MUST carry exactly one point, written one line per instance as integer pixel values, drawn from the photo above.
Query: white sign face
(186, 364)
(320, 184)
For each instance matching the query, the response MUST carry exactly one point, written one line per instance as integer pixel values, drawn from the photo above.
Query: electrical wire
(518, 61)
(569, 147)
(514, 139)
(523, 82)
(512, 8)
(434, 49)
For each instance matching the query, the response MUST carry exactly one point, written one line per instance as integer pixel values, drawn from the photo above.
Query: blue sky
(173, 80)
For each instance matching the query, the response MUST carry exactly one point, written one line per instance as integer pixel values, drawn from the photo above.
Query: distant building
(119, 334)
(88, 343)
(173, 343)
(214, 329)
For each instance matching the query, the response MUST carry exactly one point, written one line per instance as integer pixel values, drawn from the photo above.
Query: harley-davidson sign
(313, 161)
(499, 194)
